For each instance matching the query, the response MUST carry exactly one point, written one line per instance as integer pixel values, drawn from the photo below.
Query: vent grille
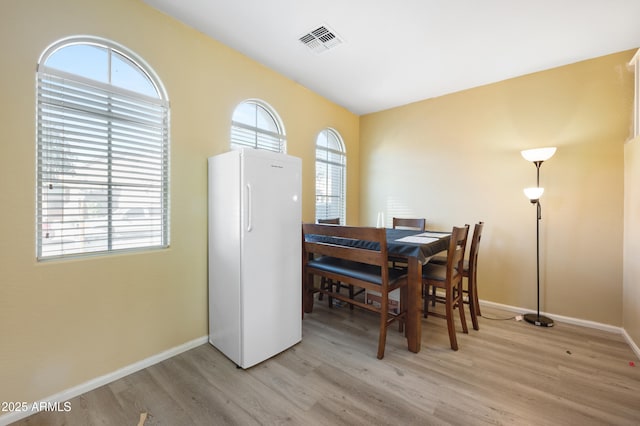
(321, 39)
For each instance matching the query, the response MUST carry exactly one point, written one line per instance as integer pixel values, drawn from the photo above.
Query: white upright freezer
(255, 294)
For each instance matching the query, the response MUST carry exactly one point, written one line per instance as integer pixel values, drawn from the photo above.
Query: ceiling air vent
(321, 39)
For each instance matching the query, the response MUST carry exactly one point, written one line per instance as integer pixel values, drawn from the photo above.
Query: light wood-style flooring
(508, 373)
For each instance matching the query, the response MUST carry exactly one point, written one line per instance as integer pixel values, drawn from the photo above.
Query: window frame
(341, 151)
(64, 99)
(255, 130)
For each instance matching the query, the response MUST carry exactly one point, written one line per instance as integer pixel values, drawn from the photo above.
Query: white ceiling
(399, 51)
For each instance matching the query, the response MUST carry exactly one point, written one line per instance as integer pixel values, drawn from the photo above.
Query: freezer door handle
(249, 212)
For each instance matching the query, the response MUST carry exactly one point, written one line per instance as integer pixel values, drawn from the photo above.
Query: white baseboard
(569, 320)
(559, 318)
(92, 384)
(631, 343)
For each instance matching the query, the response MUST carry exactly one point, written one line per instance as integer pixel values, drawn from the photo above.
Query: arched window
(256, 125)
(102, 151)
(331, 163)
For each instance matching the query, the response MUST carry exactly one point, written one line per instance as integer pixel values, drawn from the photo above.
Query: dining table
(415, 248)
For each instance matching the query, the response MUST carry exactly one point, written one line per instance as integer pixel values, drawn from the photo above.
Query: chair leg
(382, 339)
(327, 284)
(425, 300)
(332, 284)
(403, 297)
(473, 304)
(350, 296)
(451, 327)
(323, 285)
(460, 305)
(475, 296)
(307, 293)
(401, 320)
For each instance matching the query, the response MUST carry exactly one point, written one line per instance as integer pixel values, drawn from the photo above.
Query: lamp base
(538, 320)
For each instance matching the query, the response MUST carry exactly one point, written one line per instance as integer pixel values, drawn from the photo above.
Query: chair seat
(434, 272)
(360, 271)
(442, 260)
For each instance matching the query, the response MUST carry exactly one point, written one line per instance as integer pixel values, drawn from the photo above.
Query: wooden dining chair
(449, 279)
(419, 224)
(470, 272)
(364, 266)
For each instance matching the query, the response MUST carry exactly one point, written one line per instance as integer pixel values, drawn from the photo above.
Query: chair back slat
(475, 247)
(372, 251)
(419, 224)
(371, 257)
(332, 221)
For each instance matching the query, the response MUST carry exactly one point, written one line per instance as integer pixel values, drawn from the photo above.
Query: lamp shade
(534, 193)
(538, 154)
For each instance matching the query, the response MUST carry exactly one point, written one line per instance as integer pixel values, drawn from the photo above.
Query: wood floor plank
(507, 373)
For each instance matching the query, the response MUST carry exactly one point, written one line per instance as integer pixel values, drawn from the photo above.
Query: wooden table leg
(414, 304)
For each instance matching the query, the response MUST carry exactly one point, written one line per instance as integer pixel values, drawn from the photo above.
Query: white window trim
(102, 42)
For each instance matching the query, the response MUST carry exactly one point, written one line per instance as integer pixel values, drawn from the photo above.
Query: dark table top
(422, 250)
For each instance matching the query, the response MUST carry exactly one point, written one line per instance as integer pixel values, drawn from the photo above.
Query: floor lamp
(537, 156)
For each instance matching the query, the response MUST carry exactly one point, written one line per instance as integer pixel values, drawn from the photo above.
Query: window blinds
(330, 183)
(243, 135)
(102, 168)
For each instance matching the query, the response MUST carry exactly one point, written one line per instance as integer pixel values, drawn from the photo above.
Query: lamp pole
(537, 157)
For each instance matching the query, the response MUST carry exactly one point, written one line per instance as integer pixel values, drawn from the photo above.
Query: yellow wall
(456, 159)
(631, 303)
(65, 322)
